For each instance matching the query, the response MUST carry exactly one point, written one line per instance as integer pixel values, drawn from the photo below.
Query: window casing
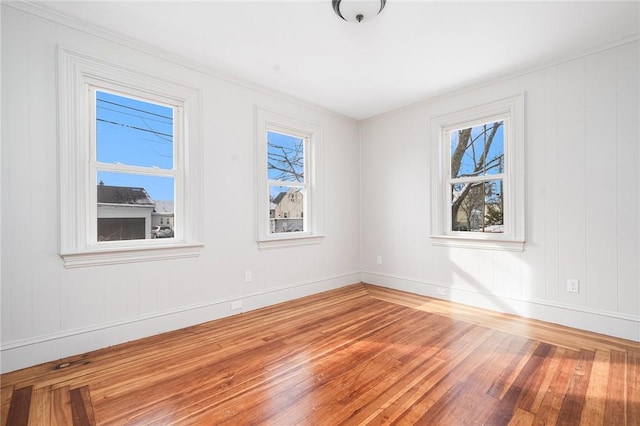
(83, 216)
(478, 176)
(289, 193)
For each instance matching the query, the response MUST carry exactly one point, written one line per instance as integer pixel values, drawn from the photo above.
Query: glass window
(289, 190)
(286, 175)
(134, 162)
(478, 176)
(477, 169)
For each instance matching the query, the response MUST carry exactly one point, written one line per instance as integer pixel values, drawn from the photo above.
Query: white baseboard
(25, 353)
(604, 322)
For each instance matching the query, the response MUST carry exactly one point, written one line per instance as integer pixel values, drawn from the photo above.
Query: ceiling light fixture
(358, 10)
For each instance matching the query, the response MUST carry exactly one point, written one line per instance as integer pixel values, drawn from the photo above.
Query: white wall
(48, 311)
(582, 195)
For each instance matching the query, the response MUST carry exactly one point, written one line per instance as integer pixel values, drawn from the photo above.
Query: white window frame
(311, 133)
(511, 111)
(79, 75)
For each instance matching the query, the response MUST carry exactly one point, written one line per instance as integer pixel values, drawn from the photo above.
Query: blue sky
(137, 133)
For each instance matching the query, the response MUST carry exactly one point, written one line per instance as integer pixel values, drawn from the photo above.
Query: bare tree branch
(288, 162)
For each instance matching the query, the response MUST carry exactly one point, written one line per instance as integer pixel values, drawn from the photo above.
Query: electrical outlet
(236, 305)
(379, 260)
(247, 276)
(573, 285)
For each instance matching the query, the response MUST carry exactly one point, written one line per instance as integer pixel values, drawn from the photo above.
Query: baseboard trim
(51, 347)
(604, 322)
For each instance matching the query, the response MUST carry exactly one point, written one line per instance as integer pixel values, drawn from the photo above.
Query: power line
(132, 115)
(133, 127)
(135, 109)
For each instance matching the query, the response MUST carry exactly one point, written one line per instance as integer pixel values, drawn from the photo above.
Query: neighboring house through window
(126, 154)
(478, 176)
(123, 213)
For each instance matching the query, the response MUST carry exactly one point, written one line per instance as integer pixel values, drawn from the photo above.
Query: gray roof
(164, 206)
(279, 197)
(123, 195)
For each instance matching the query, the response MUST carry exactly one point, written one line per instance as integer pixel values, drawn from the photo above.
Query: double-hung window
(133, 166)
(287, 180)
(129, 162)
(289, 194)
(478, 176)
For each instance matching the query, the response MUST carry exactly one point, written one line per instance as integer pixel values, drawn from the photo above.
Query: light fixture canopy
(358, 10)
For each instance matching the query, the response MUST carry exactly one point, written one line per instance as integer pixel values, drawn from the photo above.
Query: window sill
(114, 256)
(289, 241)
(478, 243)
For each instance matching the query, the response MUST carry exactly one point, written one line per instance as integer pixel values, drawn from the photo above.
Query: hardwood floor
(357, 355)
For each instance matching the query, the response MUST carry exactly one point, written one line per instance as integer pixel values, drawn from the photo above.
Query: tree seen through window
(477, 171)
(287, 184)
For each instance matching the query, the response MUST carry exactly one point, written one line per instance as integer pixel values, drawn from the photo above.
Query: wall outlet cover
(573, 285)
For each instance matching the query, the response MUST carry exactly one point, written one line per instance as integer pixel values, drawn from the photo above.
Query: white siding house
(162, 213)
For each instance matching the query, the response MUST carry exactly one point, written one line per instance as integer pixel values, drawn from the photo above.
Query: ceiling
(412, 51)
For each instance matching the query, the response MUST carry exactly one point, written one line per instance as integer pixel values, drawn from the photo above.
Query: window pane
(285, 157)
(124, 197)
(477, 206)
(477, 151)
(121, 228)
(286, 209)
(133, 132)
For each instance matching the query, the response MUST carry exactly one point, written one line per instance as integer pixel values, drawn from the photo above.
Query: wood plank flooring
(358, 355)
